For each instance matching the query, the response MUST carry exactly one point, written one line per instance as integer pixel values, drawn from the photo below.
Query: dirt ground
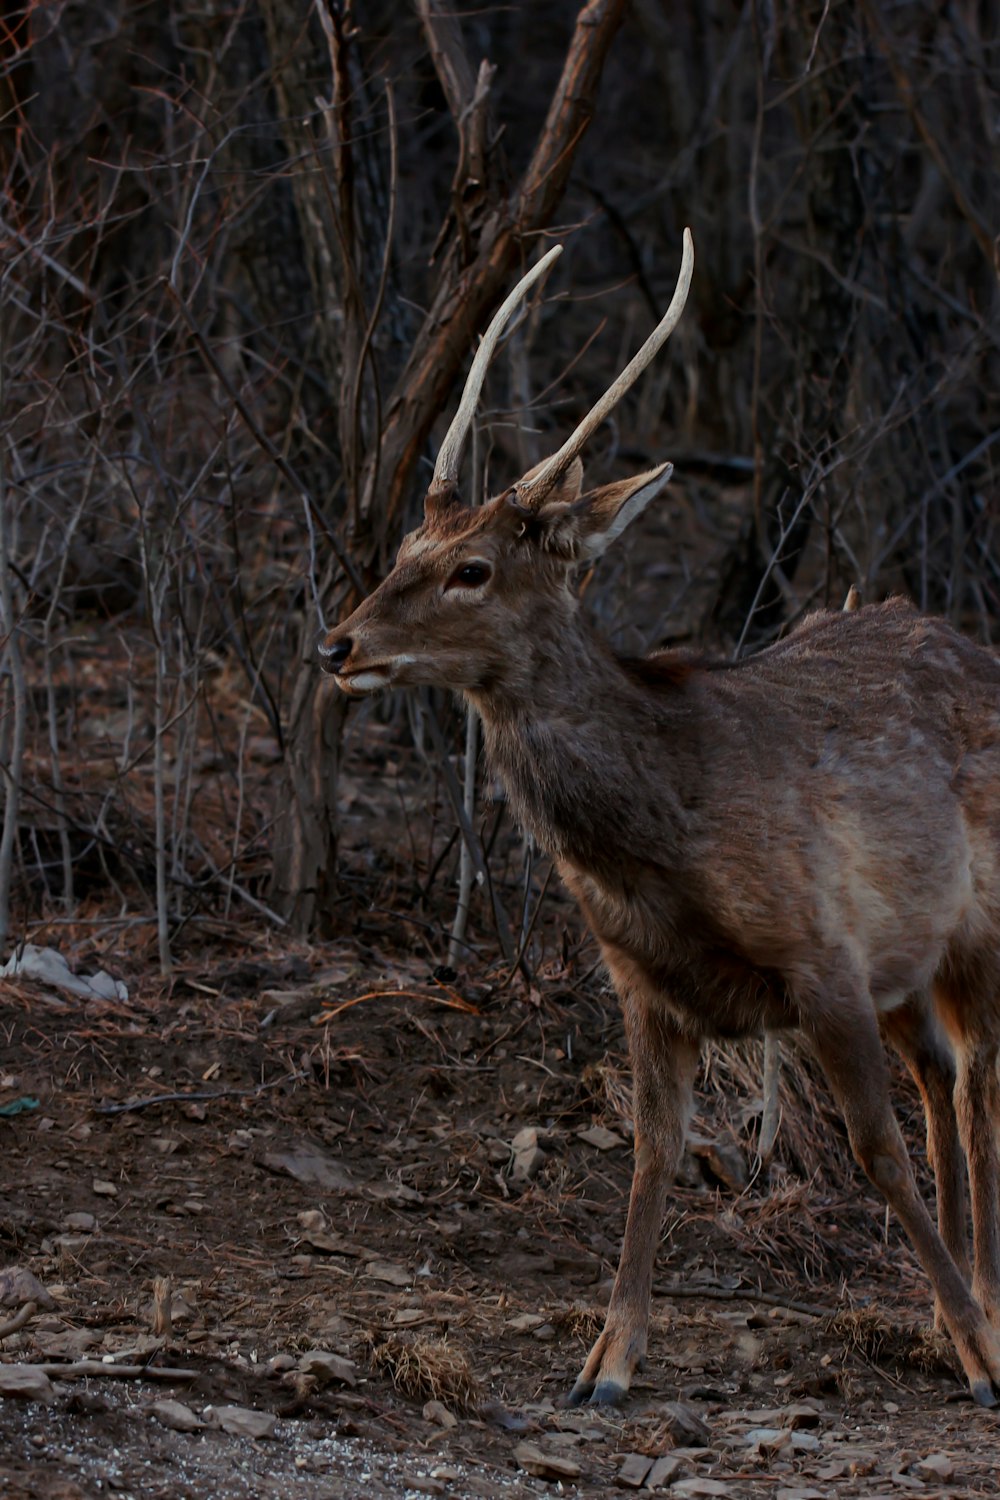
(361, 1244)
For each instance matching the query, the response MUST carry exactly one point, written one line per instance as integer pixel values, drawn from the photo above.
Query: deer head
(471, 583)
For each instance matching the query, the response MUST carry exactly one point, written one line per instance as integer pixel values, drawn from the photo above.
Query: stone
(635, 1467)
(241, 1421)
(328, 1367)
(664, 1471)
(936, 1465)
(438, 1413)
(545, 1465)
(27, 1383)
(177, 1416)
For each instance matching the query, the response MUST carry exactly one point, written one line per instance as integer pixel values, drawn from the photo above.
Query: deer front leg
(850, 1050)
(664, 1062)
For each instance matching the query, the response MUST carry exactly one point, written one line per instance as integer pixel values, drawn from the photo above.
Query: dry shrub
(428, 1369)
(864, 1331)
(867, 1332)
(812, 1140)
(608, 1087)
(580, 1322)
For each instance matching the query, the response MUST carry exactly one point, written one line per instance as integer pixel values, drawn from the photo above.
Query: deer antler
(531, 492)
(445, 479)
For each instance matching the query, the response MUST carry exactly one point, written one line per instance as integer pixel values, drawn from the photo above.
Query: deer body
(810, 837)
(730, 828)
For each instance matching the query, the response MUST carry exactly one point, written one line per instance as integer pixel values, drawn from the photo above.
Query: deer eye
(471, 575)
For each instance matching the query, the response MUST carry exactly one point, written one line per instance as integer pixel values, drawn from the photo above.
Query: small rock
(279, 1363)
(686, 1427)
(696, 1488)
(635, 1467)
(327, 1367)
(664, 1471)
(800, 1414)
(805, 1442)
(726, 1163)
(27, 1383)
(70, 1247)
(424, 1484)
(438, 1413)
(176, 1415)
(525, 1322)
(769, 1439)
(103, 1188)
(241, 1421)
(545, 1465)
(404, 1315)
(18, 1285)
(937, 1464)
(529, 1158)
(600, 1137)
(80, 1223)
(387, 1271)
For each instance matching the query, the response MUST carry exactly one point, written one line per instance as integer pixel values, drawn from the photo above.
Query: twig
(740, 1294)
(184, 1098)
(84, 1367)
(23, 1315)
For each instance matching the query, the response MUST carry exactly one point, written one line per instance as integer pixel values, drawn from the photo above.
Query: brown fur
(810, 837)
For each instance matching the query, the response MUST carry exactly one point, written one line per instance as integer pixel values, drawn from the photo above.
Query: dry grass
(867, 1333)
(428, 1369)
(580, 1322)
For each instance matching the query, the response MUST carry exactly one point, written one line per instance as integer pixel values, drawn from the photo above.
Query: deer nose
(334, 655)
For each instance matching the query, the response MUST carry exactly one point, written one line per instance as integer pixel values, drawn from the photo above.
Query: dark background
(221, 371)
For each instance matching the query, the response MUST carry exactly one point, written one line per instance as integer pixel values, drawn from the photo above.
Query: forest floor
(347, 1234)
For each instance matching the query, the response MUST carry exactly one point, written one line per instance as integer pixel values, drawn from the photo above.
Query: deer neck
(583, 750)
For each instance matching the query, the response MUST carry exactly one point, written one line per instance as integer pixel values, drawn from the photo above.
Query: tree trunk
(493, 231)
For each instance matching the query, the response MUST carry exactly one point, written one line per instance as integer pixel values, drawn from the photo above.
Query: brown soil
(428, 1260)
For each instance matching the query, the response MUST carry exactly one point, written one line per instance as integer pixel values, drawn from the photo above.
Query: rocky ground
(273, 1254)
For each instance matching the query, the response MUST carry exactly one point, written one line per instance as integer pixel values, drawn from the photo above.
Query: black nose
(336, 654)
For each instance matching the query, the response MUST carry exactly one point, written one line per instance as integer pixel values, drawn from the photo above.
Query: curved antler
(531, 492)
(445, 479)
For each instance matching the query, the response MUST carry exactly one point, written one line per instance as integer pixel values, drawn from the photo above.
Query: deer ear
(602, 515)
(566, 489)
(579, 527)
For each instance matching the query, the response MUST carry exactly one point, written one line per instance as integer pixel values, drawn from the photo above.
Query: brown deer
(809, 837)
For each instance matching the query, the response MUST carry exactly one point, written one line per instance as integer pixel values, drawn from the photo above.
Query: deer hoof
(608, 1393)
(983, 1393)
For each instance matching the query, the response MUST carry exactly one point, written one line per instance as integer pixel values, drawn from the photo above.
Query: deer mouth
(364, 680)
(372, 677)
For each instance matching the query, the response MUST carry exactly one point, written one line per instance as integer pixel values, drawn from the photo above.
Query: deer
(808, 837)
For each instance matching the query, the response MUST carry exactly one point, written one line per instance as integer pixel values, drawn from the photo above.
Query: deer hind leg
(664, 1062)
(850, 1050)
(977, 1101)
(918, 1037)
